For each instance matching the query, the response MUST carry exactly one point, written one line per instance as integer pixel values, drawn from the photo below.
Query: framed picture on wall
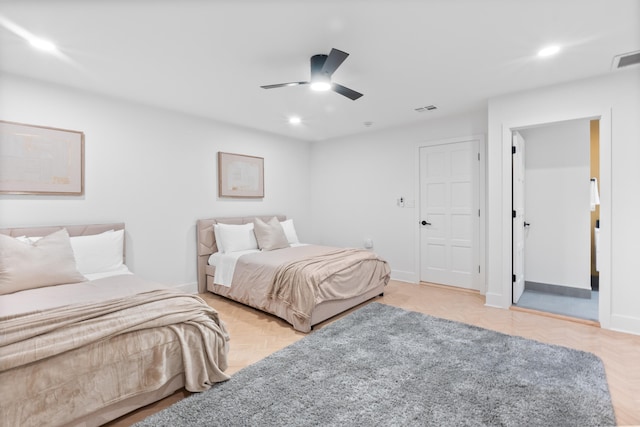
(240, 175)
(40, 160)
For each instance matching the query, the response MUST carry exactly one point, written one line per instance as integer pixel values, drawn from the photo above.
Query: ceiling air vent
(625, 60)
(426, 108)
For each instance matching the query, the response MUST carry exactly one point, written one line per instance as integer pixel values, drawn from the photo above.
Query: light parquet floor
(255, 335)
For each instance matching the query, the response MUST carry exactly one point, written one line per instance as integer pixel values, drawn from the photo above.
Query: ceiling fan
(322, 67)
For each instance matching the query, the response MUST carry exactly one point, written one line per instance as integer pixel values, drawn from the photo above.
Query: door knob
(526, 224)
(423, 222)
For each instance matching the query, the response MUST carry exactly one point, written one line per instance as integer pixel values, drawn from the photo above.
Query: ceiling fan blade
(284, 85)
(335, 58)
(349, 93)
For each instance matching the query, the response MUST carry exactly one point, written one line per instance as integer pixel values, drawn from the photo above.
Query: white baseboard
(189, 288)
(494, 300)
(627, 324)
(404, 276)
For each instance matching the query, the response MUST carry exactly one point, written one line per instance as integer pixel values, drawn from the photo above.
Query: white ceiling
(209, 58)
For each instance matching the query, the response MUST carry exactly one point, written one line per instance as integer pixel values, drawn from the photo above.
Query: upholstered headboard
(206, 241)
(73, 230)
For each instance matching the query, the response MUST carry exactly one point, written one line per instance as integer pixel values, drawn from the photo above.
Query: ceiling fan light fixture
(320, 84)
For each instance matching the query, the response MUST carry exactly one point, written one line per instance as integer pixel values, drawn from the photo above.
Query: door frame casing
(503, 256)
(479, 277)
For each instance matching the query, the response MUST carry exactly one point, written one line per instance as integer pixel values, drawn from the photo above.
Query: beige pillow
(270, 235)
(46, 262)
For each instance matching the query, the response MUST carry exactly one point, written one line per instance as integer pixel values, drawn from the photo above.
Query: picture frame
(240, 175)
(40, 160)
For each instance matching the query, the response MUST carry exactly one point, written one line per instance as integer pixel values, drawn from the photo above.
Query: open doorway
(554, 239)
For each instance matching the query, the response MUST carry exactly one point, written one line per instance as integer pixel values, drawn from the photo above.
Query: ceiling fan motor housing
(317, 62)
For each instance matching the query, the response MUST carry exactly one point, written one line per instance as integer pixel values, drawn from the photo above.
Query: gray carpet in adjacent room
(382, 366)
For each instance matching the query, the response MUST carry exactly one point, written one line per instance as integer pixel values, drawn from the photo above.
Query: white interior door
(449, 214)
(518, 145)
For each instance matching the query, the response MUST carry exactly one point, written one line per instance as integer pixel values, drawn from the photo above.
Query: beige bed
(86, 353)
(356, 276)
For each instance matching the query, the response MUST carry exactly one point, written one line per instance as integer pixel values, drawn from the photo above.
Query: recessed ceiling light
(295, 120)
(34, 41)
(549, 51)
(43, 44)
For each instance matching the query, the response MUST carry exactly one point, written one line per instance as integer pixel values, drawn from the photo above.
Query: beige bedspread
(137, 343)
(301, 284)
(310, 274)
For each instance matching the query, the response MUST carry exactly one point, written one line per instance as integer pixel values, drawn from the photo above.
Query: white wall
(557, 204)
(153, 169)
(615, 98)
(356, 181)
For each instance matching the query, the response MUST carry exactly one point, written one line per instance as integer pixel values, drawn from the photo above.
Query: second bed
(302, 284)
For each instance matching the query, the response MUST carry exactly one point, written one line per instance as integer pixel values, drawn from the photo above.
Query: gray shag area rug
(385, 366)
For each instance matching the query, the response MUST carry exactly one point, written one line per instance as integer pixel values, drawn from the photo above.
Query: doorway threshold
(556, 316)
(569, 307)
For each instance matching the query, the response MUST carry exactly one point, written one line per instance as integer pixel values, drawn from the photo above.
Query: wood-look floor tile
(255, 335)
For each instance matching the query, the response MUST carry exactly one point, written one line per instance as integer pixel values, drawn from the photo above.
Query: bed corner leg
(381, 295)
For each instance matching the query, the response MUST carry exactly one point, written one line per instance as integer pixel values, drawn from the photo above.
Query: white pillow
(98, 253)
(216, 234)
(48, 261)
(236, 237)
(290, 231)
